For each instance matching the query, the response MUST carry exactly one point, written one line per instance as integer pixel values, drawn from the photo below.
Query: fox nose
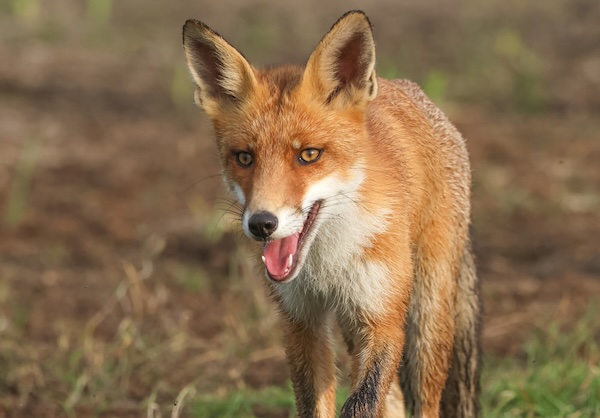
(262, 224)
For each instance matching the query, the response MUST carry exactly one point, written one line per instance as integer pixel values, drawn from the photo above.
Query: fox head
(291, 140)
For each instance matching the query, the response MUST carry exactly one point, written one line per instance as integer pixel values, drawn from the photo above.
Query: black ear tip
(190, 23)
(357, 13)
(193, 26)
(189, 26)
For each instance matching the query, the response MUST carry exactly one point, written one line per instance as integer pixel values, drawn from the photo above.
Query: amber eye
(309, 155)
(244, 158)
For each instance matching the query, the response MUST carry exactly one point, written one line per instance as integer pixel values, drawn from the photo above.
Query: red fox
(358, 190)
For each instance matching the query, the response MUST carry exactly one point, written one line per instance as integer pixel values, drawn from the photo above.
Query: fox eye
(309, 155)
(244, 158)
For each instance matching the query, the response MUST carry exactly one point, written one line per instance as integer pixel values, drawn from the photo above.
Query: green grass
(244, 404)
(270, 401)
(557, 375)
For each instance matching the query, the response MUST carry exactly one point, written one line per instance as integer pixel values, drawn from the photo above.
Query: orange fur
(372, 233)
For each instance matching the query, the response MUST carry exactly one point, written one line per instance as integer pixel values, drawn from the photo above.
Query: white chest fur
(337, 277)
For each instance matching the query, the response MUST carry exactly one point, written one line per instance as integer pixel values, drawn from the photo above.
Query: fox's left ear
(223, 76)
(342, 67)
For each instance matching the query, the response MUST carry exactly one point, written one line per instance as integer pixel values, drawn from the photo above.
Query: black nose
(262, 224)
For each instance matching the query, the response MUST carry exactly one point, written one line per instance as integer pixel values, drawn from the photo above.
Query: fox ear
(222, 74)
(342, 67)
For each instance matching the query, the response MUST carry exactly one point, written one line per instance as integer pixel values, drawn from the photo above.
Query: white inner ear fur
(235, 71)
(372, 84)
(236, 74)
(330, 57)
(328, 51)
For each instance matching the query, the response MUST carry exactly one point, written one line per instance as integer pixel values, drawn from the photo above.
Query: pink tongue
(277, 254)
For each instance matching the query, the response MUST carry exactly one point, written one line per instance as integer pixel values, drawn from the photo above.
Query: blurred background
(125, 289)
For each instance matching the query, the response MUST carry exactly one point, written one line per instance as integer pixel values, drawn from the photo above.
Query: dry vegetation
(124, 291)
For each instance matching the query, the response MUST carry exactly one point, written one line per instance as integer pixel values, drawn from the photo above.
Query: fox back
(356, 190)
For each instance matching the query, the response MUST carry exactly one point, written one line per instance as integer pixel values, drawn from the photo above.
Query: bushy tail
(461, 394)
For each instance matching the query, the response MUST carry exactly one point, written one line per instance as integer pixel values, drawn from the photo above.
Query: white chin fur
(334, 194)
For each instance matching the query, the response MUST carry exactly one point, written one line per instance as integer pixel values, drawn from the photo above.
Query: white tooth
(290, 261)
(264, 260)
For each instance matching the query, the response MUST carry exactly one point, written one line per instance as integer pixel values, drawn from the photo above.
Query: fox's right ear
(222, 74)
(341, 70)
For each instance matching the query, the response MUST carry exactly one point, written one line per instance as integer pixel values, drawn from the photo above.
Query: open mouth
(281, 256)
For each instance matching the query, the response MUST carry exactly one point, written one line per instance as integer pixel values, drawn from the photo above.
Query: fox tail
(461, 394)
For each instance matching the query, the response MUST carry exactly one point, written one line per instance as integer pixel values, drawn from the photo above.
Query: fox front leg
(376, 350)
(311, 360)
